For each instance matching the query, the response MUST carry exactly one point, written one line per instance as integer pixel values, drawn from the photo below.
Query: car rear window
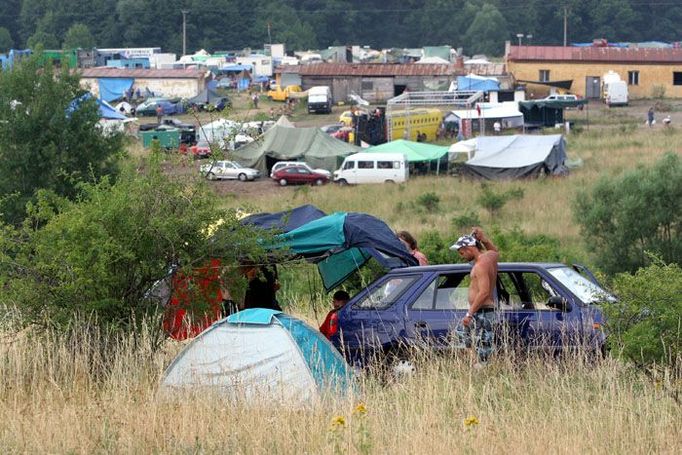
(387, 293)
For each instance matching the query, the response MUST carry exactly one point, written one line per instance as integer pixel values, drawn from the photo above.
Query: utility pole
(269, 37)
(565, 25)
(184, 31)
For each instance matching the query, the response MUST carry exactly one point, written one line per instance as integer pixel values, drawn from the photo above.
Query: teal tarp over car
(340, 243)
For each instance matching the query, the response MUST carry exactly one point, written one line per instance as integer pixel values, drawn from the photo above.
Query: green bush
(645, 324)
(466, 220)
(624, 217)
(493, 201)
(517, 246)
(98, 256)
(429, 202)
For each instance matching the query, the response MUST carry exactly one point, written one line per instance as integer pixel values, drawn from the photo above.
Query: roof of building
(187, 73)
(371, 69)
(594, 54)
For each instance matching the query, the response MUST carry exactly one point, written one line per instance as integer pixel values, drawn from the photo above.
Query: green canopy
(282, 143)
(415, 152)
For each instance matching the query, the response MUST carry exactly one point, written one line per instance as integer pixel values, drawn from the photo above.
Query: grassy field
(62, 394)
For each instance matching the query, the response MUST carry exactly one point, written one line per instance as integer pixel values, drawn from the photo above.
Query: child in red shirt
(331, 322)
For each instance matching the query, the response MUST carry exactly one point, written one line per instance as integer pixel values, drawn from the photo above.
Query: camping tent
(339, 243)
(507, 157)
(217, 131)
(286, 143)
(106, 111)
(260, 356)
(416, 152)
(206, 97)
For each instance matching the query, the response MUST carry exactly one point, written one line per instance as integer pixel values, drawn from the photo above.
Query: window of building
(544, 76)
(368, 85)
(677, 78)
(633, 77)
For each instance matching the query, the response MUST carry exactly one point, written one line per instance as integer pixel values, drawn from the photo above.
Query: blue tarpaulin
(111, 89)
(478, 83)
(105, 109)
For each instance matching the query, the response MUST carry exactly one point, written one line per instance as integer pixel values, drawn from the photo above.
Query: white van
(366, 167)
(616, 93)
(320, 99)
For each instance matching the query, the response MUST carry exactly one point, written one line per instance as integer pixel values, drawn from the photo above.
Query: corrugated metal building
(375, 82)
(644, 69)
(182, 83)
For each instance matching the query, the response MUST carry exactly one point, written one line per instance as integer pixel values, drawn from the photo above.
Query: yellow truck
(276, 93)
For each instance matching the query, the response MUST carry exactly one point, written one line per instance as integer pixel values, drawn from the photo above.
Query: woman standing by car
(411, 245)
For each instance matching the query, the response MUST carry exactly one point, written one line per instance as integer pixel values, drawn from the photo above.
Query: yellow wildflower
(338, 421)
(471, 421)
(360, 409)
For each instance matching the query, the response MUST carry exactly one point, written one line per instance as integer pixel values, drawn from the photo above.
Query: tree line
(477, 26)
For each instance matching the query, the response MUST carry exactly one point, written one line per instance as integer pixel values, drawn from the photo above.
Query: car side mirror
(559, 303)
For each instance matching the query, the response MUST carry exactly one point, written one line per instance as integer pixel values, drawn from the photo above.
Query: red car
(298, 174)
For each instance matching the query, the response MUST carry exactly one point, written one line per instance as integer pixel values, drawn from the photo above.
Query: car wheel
(343, 182)
(283, 182)
(242, 177)
(211, 176)
(319, 182)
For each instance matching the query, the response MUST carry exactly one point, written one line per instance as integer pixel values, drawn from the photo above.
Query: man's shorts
(479, 334)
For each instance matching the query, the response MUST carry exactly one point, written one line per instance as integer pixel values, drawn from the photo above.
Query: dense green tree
(624, 218)
(78, 36)
(43, 143)
(487, 32)
(6, 41)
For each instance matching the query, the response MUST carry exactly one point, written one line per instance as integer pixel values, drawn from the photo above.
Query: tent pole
(438, 167)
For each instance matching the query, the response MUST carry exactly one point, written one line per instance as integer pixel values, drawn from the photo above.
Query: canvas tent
(510, 157)
(281, 143)
(260, 356)
(416, 152)
(340, 243)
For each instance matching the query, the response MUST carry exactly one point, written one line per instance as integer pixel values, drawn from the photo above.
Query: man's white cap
(465, 240)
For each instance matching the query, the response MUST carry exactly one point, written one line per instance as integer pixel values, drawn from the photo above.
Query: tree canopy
(476, 25)
(46, 141)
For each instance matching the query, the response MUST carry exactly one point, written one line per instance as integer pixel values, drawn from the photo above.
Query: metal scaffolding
(464, 99)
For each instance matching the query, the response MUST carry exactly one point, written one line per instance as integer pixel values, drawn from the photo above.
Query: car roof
(502, 266)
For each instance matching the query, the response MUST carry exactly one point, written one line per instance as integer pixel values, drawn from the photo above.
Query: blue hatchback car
(539, 306)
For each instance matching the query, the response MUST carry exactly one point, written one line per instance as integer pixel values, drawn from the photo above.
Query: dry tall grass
(60, 394)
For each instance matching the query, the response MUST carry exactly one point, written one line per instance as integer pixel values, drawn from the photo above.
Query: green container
(168, 139)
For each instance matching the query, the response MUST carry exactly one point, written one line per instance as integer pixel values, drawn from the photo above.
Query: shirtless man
(478, 322)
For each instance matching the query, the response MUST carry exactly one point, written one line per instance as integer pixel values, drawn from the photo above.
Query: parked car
(333, 128)
(200, 150)
(228, 170)
(149, 107)
(299, 175)
(282, 164)
(276, 93)
(539, 306)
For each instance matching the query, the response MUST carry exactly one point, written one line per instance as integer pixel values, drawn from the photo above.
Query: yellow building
(646, 70)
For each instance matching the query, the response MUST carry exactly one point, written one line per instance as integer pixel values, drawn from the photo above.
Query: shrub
(645, 322)
(99, 256)
(623, 217)
(493, 201)
(465, 220)
(429, 202)
(517, 246)
(658, 91)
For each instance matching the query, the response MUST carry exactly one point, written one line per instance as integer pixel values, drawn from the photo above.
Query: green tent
(416, 152)
(283, 143)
